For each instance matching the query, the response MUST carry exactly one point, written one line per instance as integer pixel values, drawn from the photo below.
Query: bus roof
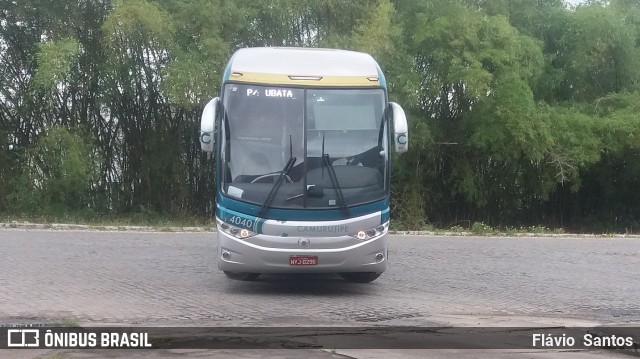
(305, 67)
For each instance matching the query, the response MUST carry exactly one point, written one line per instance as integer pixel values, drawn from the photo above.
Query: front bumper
(244, 256)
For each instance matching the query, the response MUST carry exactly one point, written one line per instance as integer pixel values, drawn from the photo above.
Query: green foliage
(58, 173)
(377, 32)
(138, 23)
(456, 44)
(408, 207)
(6, 170)
(576, 145)
(481, 229)
(507, 125)
(199, 52)
(605, 57)
(522, 114)
(55, 61)
(492, 149)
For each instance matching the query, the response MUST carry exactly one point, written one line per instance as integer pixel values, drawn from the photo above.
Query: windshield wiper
(334, 180)
(281, 177)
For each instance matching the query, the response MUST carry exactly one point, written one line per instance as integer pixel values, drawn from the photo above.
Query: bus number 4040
(239, 221)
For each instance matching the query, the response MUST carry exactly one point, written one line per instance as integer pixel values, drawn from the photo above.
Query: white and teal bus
(302, 141)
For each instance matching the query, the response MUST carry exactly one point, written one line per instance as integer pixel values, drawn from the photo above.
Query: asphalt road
(135, 278)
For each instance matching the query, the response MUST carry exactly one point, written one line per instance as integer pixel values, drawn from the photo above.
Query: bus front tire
(242, 276)
(360, 277)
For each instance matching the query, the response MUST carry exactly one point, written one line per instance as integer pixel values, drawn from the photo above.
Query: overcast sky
(574, 2)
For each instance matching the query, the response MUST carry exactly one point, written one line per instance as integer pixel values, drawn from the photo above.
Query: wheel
(242, 276)
(360, 277)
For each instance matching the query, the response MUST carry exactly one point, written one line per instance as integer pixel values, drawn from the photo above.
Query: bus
(301, 140)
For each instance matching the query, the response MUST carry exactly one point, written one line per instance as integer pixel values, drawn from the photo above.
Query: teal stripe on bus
(238, 219)
(381, 79)
(227, 70)
(279, 214)
(385, 215)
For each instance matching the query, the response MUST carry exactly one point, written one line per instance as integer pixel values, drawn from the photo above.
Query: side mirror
(207, 125)
(400, 128)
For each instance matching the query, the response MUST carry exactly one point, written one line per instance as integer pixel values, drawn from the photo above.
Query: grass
(70, 323)
(102, 222)
(482, 229)
(52, 356)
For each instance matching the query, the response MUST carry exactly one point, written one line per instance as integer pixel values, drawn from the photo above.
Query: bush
(408, 209)
(481, 228)
(58, 173)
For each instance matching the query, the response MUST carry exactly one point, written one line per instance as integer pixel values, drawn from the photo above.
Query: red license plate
(303, 260)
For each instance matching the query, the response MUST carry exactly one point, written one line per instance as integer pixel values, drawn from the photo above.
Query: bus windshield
(324, 146)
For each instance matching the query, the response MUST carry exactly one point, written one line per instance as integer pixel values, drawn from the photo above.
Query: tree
(58, 173)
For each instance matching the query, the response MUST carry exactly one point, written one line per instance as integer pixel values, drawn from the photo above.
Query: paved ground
(136, 278)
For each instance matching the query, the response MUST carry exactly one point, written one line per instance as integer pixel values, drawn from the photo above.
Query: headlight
(240, 233)
(376, 231)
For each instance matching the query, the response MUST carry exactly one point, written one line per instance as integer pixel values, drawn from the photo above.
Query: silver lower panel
(253, 258)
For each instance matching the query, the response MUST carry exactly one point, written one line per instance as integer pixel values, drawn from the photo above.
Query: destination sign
(270, 92)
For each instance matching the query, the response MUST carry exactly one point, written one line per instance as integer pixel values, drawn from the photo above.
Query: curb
(196, 229)
(101, 228)
(523, 235)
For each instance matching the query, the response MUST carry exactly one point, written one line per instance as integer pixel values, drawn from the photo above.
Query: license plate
(303, 260)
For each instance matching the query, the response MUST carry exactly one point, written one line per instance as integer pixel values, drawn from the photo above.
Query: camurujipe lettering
(323, 229)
